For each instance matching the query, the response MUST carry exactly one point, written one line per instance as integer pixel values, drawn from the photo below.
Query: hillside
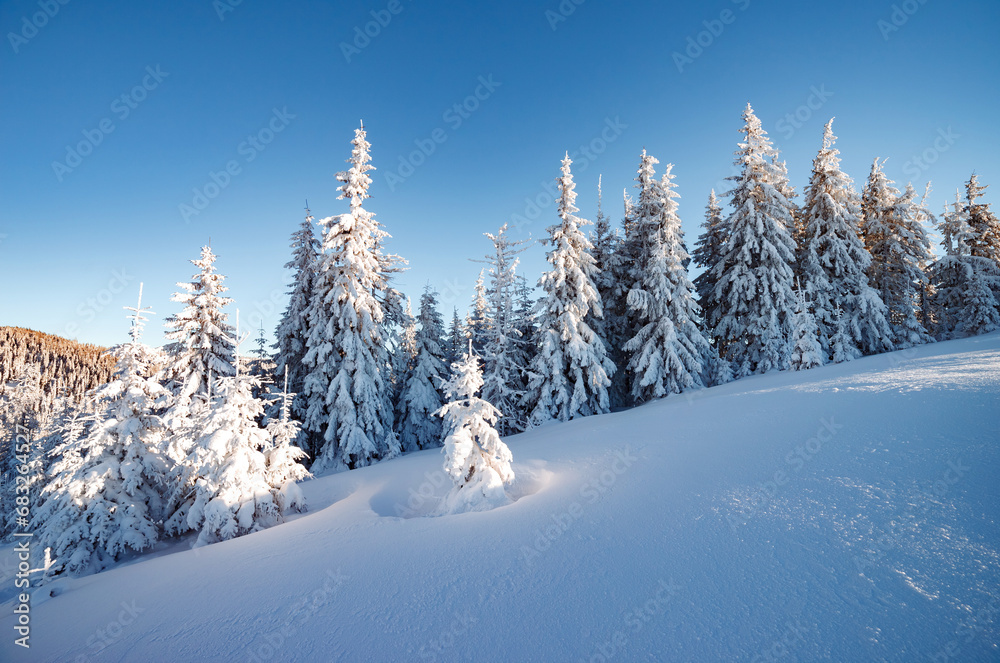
(71, 366)
(847, 513)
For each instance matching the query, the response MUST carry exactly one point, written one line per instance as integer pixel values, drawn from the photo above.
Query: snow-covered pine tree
(477, 324)
(964, 302)
(753, 303)
(570, 373)
(708, 251)
(619, 323)
(605, 240)
(834, 261)
(200, 334)
(104, 498)
(293, 328)
(476, 459)
(895, 239)
(224, 486)
(984, 240)
(283, 459)
(403, 356)
(348, 388)
(503, 376)
(669, 353)
(806, 350)
(422, 397)
(457, 339)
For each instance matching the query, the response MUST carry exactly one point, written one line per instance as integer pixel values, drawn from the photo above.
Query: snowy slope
(689, 529)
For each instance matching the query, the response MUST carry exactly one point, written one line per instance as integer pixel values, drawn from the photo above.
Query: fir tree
(569, 376)
(752, 304)
(834, 260)
(604, 240)
(422, 397)
(105, 494)
(668, 353)
(477, 325)
(348, 388)
(984, 227)
(201, 335)
(503, 376)
(457, 338)
(708, 251)
(476, 459)
(806, 350)
(293, 329)
(895, 238)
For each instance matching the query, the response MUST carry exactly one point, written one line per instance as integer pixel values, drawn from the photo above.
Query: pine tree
(668, 353)
(964, 285)
(476, 459)
(422, 397)
(570, 374)
(477, 325)
(806, 350)
(283, 460)
(201, 335)
(503, 376)
(347, 389)
(753, 303)
(895, 238)
(105, 493)
(834, 261)
(293, 329)
(984, 240)
(403, 356)
(605, 242)
(708, 251)
(457, 338)
(620, 324)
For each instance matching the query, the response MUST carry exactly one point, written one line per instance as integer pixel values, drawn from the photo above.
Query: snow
(846, 512)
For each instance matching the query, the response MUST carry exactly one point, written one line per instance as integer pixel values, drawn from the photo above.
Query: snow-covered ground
(847, 513)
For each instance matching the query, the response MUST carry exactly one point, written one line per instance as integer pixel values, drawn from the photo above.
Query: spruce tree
(752, 304)
(105, 495)
(503, 347)
(476, 459)
(669, 353)
(708, 251)
(569, 376)
(984, 227)
(477, 324)
(348, 388)
(895, 238)
(457, 338)
(806, 350)
(834, 261)
(200, 334)
(422, 397)
(293, 329)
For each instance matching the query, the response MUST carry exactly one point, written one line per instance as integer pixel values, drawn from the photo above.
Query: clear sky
(114, 113)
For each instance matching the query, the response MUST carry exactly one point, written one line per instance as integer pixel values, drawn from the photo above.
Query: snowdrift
(847, 512)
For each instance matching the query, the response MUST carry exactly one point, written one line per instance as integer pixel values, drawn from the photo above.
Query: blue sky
(275, 91)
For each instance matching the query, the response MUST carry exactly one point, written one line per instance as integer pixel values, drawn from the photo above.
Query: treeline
(188, 440)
